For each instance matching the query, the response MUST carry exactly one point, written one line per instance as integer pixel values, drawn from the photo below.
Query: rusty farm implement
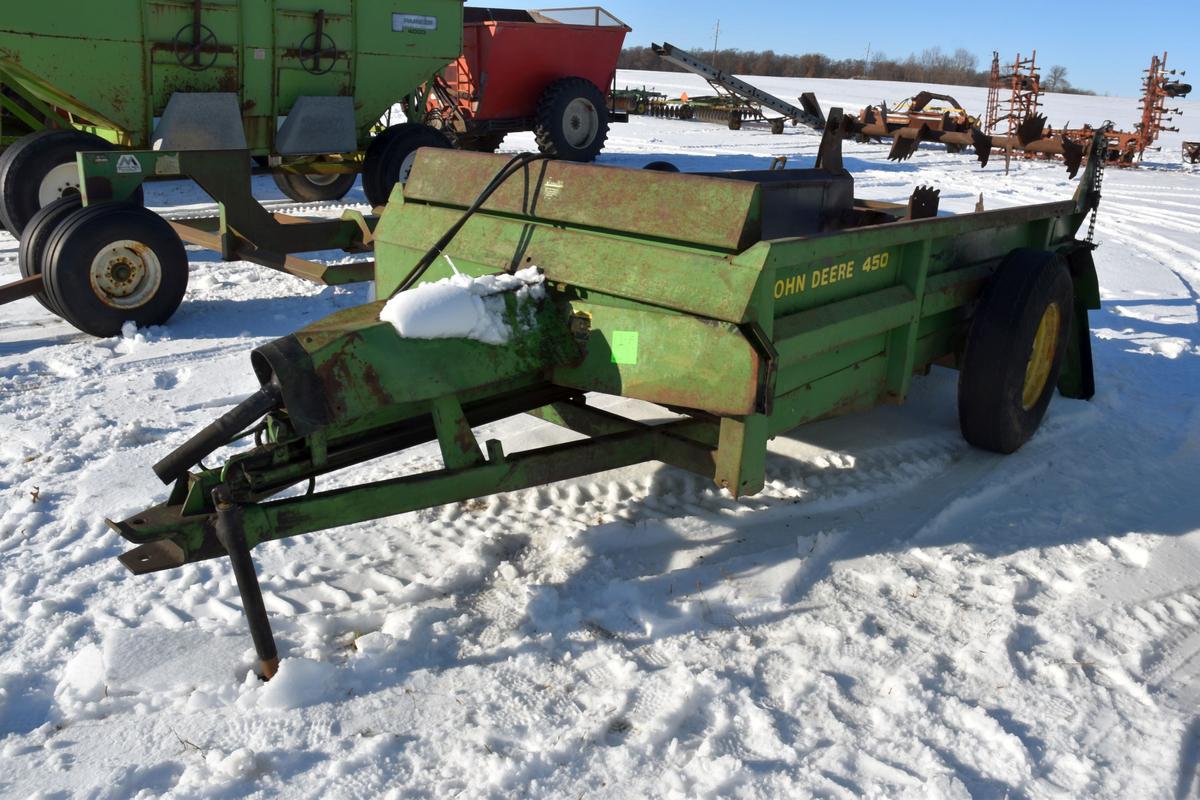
(221, 75)
(744, 304)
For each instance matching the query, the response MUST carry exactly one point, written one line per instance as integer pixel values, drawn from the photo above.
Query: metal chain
(1096, 188)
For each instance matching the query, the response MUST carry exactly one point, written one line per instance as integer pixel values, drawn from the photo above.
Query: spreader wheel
(572, 120)
(37, 235)
(1015, 350)
(115, 262)
(390, 157)
(315, 187)
(39, 169)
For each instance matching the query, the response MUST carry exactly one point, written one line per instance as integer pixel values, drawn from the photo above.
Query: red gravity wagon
(549, 71)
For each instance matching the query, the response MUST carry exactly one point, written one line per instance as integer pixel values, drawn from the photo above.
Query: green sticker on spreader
(624, 347)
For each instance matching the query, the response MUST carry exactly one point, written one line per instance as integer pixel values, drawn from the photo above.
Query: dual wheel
(40, 168)
(104, 265)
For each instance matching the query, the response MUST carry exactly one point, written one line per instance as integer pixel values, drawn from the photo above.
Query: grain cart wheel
(112, 263)
(37, 235)
(390, 157)
(314, 188)
(572, 120)
(1015, 350)
(39, 169)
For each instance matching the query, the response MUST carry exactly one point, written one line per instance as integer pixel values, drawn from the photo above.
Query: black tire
(1005, 386)
(314, 188)
(384, 164)
(32, 249)
(777, 126)
(30, 161)
(73, 261)
(572, 120)
(735, 121)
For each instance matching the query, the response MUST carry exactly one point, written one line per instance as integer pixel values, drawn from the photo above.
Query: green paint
(625, 347)
(113, 65)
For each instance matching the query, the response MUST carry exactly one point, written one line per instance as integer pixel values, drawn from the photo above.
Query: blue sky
(1104, 45)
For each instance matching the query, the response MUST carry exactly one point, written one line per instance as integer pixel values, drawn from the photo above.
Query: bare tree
(1056, 79)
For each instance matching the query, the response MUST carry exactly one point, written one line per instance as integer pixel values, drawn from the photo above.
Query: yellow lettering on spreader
(789, 286)
(827, 276)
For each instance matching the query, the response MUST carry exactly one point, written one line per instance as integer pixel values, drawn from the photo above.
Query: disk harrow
(743, 304)
(908, 131)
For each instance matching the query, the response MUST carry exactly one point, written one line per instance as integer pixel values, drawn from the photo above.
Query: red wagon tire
(572, 120)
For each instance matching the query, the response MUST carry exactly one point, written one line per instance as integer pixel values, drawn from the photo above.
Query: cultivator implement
(744, 304)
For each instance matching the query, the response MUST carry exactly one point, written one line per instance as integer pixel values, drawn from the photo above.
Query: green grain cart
(744, 304)
(298, 83)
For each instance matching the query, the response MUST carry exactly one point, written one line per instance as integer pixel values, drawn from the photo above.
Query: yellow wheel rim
(1041, 358)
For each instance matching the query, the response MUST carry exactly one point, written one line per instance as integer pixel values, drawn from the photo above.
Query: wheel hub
(1041, 357)
(580, 122)
(322, 179)
(125, 274)
(59, 182)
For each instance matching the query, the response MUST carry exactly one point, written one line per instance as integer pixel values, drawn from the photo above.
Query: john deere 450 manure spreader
(744, 304)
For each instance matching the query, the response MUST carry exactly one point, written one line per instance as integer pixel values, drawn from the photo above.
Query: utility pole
(867, 61)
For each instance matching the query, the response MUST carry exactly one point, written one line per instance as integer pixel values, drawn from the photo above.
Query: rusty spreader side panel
(720, 214)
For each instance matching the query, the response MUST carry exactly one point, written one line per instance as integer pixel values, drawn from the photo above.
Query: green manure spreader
(744, 304)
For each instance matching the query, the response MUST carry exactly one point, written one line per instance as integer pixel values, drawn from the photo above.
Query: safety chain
(1096, 189)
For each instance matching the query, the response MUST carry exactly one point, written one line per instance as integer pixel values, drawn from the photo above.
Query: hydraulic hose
(218, 433)
(515, 165)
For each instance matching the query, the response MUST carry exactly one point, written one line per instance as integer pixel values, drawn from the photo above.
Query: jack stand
(232, 536)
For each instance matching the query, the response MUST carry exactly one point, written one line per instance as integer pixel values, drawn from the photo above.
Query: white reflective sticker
(413, 22)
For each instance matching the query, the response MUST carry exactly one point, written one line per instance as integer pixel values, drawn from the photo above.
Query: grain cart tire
(40, 168)
(572, 120)
(389, 157)
(1015, 350)
(316, 187)
(37, 235)
(113, 263)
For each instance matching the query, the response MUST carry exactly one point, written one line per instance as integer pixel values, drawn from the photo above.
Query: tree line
(932, 65)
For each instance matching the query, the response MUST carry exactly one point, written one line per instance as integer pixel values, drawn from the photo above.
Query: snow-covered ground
(897, 615)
